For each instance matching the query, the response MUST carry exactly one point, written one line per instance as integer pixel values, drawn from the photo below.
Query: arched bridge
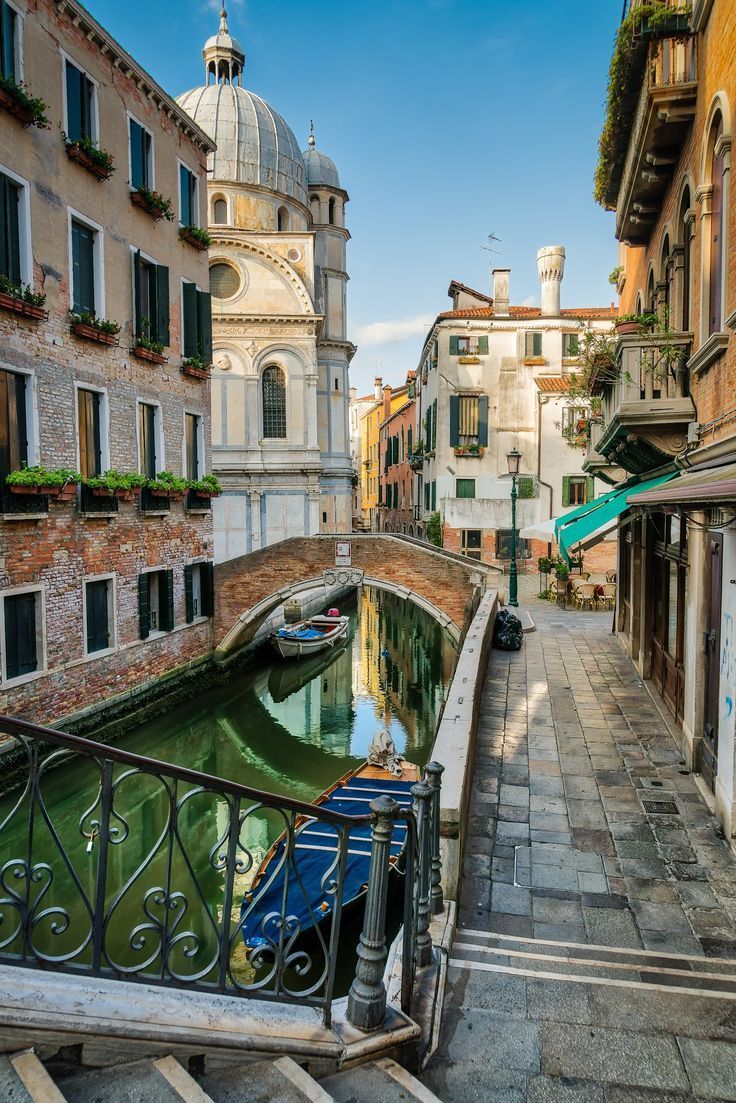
(250, 587)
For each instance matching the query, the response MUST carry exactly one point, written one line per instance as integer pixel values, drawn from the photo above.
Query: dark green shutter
(408, 441)
(166, 600)
(83, 269)
(454, 420)
(434, 496)
(136, 155)
(396, 449)
(589, 488)
(566, 490)
(204, 325)
(160, 318)
(185, 195)
(189, 592)
(483, 420)
(98, 628)
(537, 344)
(454, 349)
(189, 299)
(434, 424)
(20, 635)
(73, 103)
(137, 275)
(144, 606)
(426, 496)
(483, 346)
(7, 41)
(9, 229)
(207, 586)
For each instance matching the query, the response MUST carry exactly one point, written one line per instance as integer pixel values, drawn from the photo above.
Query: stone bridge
(250, 587)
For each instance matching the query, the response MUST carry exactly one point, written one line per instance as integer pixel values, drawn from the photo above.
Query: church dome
(321, 169)
(254, 143)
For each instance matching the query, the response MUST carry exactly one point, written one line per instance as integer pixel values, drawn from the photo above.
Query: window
(468, 346)
(22, 634)
(464, 488)
(503, 545)
(89, 405)
(282, 219)
(533, 344)
(434, 495)
(224, 281)
(331, 212)
(187, 197)
(197, 307)
(192, 429)
(219, 212)
(426, 496)
(148, 416)
(151, 299)
(98, 601)
(468, 421)
(570, 344)
(273, 386)
(8, 42)
(434, 424)
(470, 543)
(574, 420)
(155, 602)
(199, 590)
(684, 230)
(10, 218)
(577, 490)
(80, 105)
(13, 423)
(141, 156)
(717, 227)
(84, 268)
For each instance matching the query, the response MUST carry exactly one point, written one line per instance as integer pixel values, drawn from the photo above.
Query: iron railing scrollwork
(136, 869)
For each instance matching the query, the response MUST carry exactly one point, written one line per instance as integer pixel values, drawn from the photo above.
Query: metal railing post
(422, 793)
(367, 996)
(434, 772)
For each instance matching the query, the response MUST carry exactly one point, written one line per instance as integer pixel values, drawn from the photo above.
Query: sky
(448, 120)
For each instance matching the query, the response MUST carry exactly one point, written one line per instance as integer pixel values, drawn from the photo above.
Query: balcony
(647, 407)
(663, 116)
(594, 462)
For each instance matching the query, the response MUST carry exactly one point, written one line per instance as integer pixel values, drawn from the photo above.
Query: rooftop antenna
(490, 248)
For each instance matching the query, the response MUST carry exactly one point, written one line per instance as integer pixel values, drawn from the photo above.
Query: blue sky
(447, 119)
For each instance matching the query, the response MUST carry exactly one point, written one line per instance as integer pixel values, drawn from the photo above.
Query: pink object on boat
(333, 612)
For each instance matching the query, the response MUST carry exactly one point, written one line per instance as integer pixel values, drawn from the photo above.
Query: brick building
(668, 412)
(102, 184)
(396, 435)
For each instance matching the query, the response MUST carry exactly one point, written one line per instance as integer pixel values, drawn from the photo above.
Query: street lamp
(513, 459)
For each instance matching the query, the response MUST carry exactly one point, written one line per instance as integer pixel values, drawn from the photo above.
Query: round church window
(224, 281)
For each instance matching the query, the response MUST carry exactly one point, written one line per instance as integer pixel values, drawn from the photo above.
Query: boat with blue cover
(306, 638)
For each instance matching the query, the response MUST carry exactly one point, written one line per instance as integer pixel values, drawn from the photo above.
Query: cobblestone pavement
(595, 957)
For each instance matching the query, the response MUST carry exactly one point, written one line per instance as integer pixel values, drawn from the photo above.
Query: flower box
(191, 239)
(416, 462)
(20, 306)
(76, 153)
(13, 107)
(676, 24)
(195, 373)
(159, 492)
(468, 359)
(102, 492)
(91, 333)
(148, 354)
(16, 488)
(138, 199)
(625, 329)
(127, 493)
(475, 453)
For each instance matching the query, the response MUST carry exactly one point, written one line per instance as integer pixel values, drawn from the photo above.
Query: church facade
(278, 282)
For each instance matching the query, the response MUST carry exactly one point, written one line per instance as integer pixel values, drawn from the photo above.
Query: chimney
(501, 290)
(353, 393)
(387, 401)
(551, 268)
(377, 388)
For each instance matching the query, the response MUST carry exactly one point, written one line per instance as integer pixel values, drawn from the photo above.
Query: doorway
(712, 648)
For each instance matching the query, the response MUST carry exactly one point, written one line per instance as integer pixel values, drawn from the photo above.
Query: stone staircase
(24, 1078)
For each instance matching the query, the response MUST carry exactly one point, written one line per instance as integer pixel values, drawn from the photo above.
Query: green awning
(572, 514)
(604, 513)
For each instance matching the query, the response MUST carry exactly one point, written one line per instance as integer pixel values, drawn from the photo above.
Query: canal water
(291, 728)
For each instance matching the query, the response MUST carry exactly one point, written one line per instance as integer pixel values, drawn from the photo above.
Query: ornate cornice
(255, 249)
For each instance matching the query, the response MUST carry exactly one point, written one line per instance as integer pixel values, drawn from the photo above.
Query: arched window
(684, 234)
(314, 208)
(715, 286)
(273, 385)
(666, 275)
(331, 215)
(408, 440)
(282, 219)
(651, 303)
(638, 302)
(219, 212)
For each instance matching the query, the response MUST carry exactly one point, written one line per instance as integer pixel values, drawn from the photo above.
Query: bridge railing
(124, 867)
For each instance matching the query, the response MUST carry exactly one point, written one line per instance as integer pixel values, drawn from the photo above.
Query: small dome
(321, 169)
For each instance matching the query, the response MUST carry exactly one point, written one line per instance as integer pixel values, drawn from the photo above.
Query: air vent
(660, 808)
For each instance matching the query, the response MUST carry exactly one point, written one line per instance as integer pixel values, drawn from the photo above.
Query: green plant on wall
(434, 530)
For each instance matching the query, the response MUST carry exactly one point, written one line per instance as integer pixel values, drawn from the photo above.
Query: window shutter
(20, 635)
(137, 294)
(9, 229)
(483, 420)
(85, 95)
(83, 268)
(207, 585)
(434, 423)
(537, 344)
(566, 490)
(483, 346)
(454, 420)
(408, 440)
(434, 495)
(73, 102)
(98, 629)
(166, 597)
(189, 300)
(161, 315)
(204, 325)
(136, 155)
(589, 488)
(7, 42)
(144, 606)
(396, 449)
(454, 349)
(189, 592)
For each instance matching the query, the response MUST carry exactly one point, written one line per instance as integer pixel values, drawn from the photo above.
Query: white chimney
(378, 388)
(551, 268)
(501, 290)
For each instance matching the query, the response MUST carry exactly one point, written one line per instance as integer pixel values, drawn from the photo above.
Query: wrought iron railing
(140, 870)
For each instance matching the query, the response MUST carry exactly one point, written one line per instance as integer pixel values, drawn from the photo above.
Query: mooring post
(367, 996)
(434, 772)
(422, 793)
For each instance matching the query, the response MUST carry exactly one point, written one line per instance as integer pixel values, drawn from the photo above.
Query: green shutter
(207, 585)
(483, 420)
(20, 635)
(566, 490)
(204, 325)
(83, 268)
(9, 229)
(138, 323)
(589, 488)
(426, 496)
(7, 42)
(454, 350)
(144, 606)
(189, 592)
(184, 197)
(537, 344)
(396, 449)
(166, 600)
(137, 178)
(160, 319)
(98, 628)
(465, 488)
(434, 496)
(189, 301)
(454, 420)
(73, 102)
(483, 346)
(408, 441)
(434, 424)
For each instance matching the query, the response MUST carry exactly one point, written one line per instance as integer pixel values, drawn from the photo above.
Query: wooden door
(712, 648)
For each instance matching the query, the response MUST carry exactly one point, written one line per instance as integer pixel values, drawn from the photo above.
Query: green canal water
(291, 728)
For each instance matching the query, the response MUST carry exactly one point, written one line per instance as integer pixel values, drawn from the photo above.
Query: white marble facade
(280, 387)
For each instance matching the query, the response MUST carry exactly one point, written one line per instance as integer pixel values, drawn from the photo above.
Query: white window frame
(18, 44)
(112, 614)
(32, 424)
(157, 633)
(199, 563)
(74, 215)
(200, 441)
(197, 197)
(141, 400)
(68, 59)
(13, 591)
(228, 217)
(82, 385)
(24, 224)
(148, 131)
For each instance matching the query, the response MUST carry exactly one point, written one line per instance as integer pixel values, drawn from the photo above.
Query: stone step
(160, 1081)
(378, 1082)
(23, 1079)
(279, 1081)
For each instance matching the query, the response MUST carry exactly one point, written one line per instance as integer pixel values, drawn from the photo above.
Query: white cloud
(396, 329)
(530, 301)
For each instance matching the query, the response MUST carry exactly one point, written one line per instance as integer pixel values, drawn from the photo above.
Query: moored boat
(308, 637)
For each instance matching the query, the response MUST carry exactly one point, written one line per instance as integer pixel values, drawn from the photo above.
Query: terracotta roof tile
(552, 384)
(532, 312)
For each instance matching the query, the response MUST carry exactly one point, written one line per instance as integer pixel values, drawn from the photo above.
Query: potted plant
(167, 485)
(562, 571)
(123, 485)
(146, 349)
(545, 564)
(195, 367)
(21, 298)
(196, 236)
(58, 482)
(206, 487)
(88, 325)
(153, 203)
(627, 324)
(84, 151)
(17, 101)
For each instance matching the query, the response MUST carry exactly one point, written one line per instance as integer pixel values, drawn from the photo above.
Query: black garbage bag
(507, 631)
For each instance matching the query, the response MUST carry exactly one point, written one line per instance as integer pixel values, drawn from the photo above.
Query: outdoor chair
(607, 600)
(585, 576)
(558, 591)
(611, 576)
(584, 593)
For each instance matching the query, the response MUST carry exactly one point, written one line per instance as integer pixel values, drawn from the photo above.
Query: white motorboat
(296, 641)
